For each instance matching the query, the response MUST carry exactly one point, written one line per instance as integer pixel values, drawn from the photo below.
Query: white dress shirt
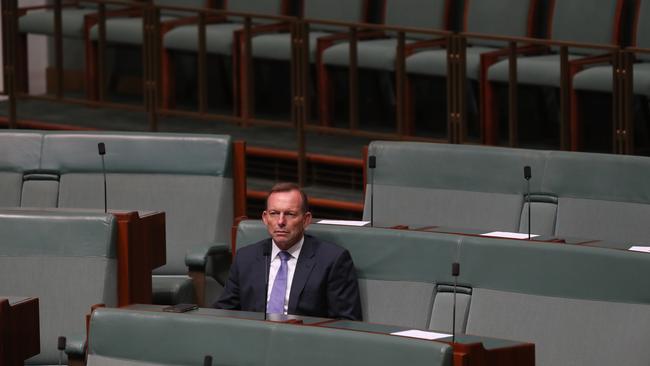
(275, 267)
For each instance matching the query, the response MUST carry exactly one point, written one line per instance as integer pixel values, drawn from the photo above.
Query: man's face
(284, 218)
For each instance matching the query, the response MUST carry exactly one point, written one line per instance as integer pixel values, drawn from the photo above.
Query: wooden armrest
(490, 58)
(580, 64)
(265, 28)
(328, 41)
(168, 25)
(24, 10)
(412, 48)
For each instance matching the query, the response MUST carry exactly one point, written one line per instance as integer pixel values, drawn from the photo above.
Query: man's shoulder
(253, 249)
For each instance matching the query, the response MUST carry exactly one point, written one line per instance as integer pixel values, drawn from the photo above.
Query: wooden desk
(19, 330)
(468, 350)
(141, 248)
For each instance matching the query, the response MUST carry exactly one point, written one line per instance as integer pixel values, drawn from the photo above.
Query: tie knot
(284, 256)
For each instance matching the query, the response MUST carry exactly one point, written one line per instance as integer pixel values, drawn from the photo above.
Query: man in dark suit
(306, 276)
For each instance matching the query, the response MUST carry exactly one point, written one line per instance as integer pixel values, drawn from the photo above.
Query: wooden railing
(454, 43)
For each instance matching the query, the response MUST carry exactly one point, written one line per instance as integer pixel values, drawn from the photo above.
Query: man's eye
(291, 215)
(274, 213)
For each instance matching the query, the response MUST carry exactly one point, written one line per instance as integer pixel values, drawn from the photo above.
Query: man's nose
(282, 220)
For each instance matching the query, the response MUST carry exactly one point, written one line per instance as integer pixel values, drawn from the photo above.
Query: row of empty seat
(573, 195)
(424, 53)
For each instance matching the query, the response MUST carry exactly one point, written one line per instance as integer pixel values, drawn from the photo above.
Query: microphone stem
(372, 197)
(529, 220)
(104, 172)
(453, 315)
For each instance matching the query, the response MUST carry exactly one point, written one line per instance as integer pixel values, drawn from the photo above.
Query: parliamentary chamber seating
(458, 188)
(186, 176)
(66, 259)
(580, 305)
(136, 337)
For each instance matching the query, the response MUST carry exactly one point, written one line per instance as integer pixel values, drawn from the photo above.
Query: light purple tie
(279, 290)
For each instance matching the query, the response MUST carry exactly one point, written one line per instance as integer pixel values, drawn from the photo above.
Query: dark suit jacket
(324, 282)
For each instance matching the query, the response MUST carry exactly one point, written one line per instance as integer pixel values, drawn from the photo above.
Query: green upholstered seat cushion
(219, 38)
(378, 54)
(599, 79)
(534, 70)
(277, 46)
(42, 22)
(124, 30)
(434, 62)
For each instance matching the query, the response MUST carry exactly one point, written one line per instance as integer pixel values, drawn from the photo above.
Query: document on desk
(508, 235)
(343, 222)
(638, 248)
(421, 334)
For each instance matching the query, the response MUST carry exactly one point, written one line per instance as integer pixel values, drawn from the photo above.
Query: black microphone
(207, 360)
(267, 268)
(60, 345)
(455, 272)
(102, 151)
(372, 164)
(527, 176)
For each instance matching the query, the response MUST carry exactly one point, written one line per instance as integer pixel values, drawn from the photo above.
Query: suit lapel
(306, 262)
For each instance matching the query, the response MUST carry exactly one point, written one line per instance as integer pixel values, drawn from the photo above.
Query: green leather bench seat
(67, 259)
(576, 303)
(574, 195)
(423, 184)
(188, 176)
(133, 337)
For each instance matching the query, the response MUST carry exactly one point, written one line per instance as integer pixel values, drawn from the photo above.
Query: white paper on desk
(344, 222)
(421, 334)
(509, 235)
(637, 248)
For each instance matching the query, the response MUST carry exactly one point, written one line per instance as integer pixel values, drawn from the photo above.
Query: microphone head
(101, 148)
(207, 360)
(60, 345)
(372, 162)
(527, 172)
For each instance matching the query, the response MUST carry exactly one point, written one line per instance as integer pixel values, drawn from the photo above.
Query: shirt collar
(294, 250)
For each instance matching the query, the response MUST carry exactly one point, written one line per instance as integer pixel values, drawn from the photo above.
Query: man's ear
(264, 217)
(307, 219)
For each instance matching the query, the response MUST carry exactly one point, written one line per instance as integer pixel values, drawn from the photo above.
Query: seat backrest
(642, 31)
(20, 152)
(560, 297)
(337, 10)
(603, 25)
(432, 14)
(421, 184)
(267, 7)
(137, 337)
(67, 259)
(487, 17)
(600, 196)
(186, 176)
